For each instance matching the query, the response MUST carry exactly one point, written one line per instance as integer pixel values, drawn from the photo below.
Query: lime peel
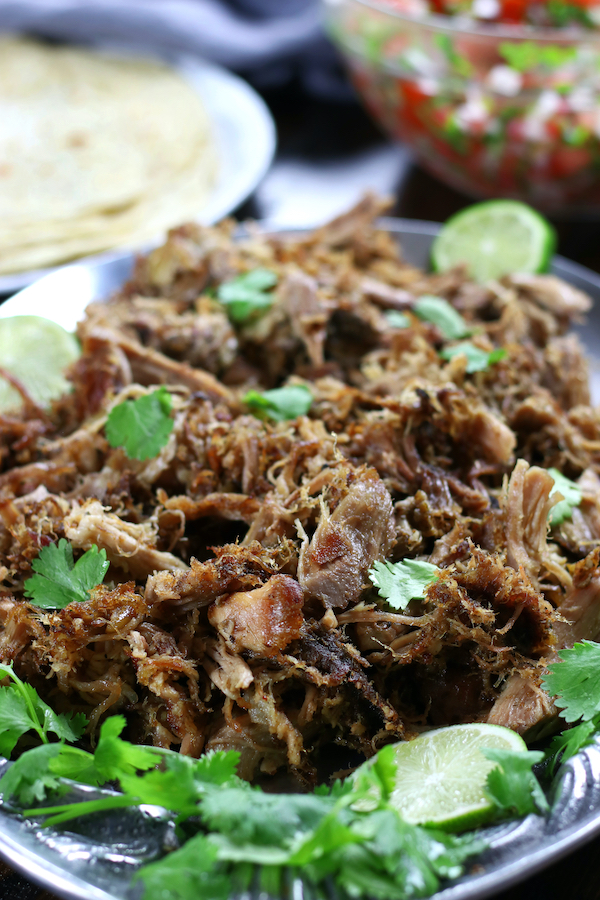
(37, 352)
(493, 239)
(441, 775)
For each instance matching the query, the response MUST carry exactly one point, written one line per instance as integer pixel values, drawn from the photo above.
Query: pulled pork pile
(238, 612)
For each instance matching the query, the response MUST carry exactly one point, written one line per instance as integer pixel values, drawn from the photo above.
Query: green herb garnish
(247, 295)
(23, 710)
(403, 581)
(571, 493)
(280, 404)
(439, 312)
(397, 319)
(526, 55)
(478, 360)
(59, 580)
(574, 682)
(512, 784)
(142, 426)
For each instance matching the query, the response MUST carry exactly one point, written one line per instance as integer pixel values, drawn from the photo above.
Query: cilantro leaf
(75, 764)
(59, 581)
(459, 63)
(527, 55)
(439, 312)
(40, 770)
(403, 581)
(192, 871)
(29, 778)
(15, 719)
(512, 784)
(574, 681)
(182, 782)
(397, 319)
(478, 360)
(565, 745)
(23, 710)
(142, 426)
(571, 493)
(245, 296)
(173, 789)
(260, 819)
(115, 757)
(280, 403)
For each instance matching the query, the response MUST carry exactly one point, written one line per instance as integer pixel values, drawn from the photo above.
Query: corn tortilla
(96, 151)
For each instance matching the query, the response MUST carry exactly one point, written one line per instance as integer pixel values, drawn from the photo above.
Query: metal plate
(245, 136)
(97, 863)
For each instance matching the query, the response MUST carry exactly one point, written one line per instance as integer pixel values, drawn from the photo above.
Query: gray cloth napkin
(270, 38)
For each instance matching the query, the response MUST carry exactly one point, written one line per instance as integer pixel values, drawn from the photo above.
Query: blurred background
(330, 149)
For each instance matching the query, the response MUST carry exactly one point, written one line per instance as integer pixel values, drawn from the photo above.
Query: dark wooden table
(320, 131)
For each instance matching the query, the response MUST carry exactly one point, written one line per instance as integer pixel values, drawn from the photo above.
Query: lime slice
(37, 352)
(493, 239)
(441, 775)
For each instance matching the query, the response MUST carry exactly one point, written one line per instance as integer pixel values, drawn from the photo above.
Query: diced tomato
(554, 129)
(513, 11)
(566, 161)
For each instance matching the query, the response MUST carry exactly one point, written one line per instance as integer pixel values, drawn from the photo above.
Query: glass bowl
(494, 110)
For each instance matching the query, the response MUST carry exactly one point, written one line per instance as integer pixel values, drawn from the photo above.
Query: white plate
(245, 136)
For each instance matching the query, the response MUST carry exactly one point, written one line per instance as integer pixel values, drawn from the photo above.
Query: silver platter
(97, 863)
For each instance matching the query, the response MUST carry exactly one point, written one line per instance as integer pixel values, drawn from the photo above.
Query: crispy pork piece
(527, 506)
(129, 546)
(581, 533)
(264, 620)
(553, 294)
(308, 311)
(580, 608)
(350, 226)
(150, 367)
(235, 569)
(523, 705)
(333, 566)
(235, 507)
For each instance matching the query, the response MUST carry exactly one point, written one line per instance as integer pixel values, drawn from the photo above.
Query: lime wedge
(441, 775)
(493, 239)
(37, 352)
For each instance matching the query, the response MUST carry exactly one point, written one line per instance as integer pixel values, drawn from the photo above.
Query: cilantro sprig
(478, 360)
(23, 710)
(512, 784)
(403, 581)
(574, 682)
(248, 295)
(526, 55)
(141, 426)
(280, 404)
(397, 319)
(59, 580)
(439, 312)
(327, 835)
(347, 834)
(572, 497)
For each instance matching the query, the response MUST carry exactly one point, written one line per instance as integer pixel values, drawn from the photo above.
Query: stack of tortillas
(96, 151)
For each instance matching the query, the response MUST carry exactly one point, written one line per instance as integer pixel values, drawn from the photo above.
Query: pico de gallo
(506, 114)
(545, 13)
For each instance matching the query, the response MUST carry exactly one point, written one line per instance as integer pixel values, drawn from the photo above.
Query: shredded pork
(238, 611)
